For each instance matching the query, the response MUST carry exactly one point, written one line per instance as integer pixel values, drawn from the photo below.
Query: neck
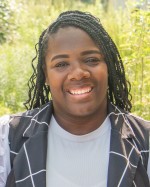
(80, 125)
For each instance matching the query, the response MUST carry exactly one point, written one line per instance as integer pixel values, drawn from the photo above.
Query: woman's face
(76, 73)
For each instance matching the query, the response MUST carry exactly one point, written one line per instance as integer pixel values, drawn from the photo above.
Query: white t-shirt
(77, 161)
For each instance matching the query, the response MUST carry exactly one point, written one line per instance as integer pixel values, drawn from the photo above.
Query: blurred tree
(5, 14)
(7, 20)
(87, 1)
(105, 4)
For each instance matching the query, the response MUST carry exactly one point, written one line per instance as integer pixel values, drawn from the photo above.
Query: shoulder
(137, 126)
(128, 118)
(138, 121)
(141, 129)
(24, 116)
(140, 126)
(21, 121)
(27, 116)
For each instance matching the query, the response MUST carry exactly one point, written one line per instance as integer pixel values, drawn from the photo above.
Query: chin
(83, 112)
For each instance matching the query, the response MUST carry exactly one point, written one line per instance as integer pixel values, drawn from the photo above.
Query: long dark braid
(38, 91)
(119, 87)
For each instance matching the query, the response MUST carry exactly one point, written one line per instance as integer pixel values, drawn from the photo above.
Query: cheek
(51, 77)
(55, 82)
(102, 74)
(55, 90)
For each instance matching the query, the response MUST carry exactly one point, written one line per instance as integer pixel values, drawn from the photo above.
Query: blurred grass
(129, 28)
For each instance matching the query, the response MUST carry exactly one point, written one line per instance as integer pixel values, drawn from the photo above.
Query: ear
(46, 76)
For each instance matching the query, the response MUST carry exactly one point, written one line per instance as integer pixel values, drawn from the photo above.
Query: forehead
(72, 37)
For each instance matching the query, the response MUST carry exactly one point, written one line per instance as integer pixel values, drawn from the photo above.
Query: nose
(78, 73)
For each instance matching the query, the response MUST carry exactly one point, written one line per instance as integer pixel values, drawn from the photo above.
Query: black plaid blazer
(129, 149)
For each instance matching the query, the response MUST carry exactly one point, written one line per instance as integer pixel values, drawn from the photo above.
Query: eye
(92, 61)
(61, 65)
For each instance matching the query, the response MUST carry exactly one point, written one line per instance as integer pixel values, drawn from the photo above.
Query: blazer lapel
(124, 157)
(32, 155)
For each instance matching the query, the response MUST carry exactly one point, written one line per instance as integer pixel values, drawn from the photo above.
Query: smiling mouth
(80, 91)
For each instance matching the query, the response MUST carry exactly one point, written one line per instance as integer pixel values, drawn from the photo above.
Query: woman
(84, 134)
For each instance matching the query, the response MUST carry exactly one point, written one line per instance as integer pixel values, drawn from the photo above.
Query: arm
(4, 150)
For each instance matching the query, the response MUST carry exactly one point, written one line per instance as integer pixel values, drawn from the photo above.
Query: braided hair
(118, 86)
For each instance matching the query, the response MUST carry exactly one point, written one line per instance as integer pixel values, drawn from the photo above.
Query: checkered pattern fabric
(129, 148)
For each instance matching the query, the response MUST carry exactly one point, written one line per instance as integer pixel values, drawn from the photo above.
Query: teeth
(78, 92)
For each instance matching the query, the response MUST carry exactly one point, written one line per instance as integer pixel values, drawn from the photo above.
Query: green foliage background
(22, 21)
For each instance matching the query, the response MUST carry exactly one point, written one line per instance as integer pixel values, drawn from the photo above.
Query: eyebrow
(82, 54)
(60, 56)
(91, 52)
